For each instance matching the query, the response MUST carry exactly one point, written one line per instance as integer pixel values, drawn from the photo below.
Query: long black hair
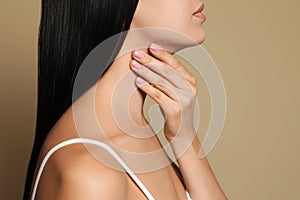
(68, 31)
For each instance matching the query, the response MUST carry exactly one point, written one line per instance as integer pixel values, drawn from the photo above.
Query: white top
(100, 144)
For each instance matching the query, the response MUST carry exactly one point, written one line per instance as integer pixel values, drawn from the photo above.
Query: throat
(119, 103)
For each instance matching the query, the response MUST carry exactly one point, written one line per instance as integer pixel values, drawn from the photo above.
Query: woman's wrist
(198, 176)
(184, 141)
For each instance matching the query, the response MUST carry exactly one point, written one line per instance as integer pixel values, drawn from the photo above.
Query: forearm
(163, 78)
(198, 176)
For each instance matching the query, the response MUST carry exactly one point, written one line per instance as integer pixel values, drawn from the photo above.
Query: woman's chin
(200, 36)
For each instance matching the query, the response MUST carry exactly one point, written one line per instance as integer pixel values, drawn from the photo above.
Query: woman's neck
(118, 102)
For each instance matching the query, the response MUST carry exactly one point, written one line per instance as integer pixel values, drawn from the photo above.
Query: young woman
(69, 30)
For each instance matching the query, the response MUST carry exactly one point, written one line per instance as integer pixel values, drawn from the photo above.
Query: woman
(68, 32)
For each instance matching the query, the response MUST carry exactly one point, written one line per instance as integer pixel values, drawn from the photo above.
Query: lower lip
(200, 15)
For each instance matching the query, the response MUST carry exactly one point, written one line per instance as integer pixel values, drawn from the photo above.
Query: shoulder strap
(97, 143)
(188, 196)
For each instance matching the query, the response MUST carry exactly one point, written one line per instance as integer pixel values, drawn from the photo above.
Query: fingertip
(155, 47)
(140, 81)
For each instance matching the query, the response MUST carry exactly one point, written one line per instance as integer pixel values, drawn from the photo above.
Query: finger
(165, 71)
(170, 59)
(145, 58)
(158, 96)
(154, 79)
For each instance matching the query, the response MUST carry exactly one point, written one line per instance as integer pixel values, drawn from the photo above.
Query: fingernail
(155, 47)
(139, 54)
(140, 81)
(136, 64)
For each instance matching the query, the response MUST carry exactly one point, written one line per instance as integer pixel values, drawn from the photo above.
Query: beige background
(256, 46)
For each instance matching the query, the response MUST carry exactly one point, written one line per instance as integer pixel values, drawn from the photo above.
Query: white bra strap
(97, 143)
(188, 196)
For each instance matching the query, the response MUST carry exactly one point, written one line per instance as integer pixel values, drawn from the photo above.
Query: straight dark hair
(68, 31)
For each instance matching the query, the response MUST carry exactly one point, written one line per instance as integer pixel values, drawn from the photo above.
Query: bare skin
(72, 168)
(73, 173)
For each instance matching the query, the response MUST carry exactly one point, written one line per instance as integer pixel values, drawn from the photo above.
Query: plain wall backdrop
(256, 46)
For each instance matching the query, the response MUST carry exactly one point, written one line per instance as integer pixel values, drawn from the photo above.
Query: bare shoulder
(84, 177)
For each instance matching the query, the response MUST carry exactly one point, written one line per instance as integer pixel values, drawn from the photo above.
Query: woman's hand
(167, 82)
